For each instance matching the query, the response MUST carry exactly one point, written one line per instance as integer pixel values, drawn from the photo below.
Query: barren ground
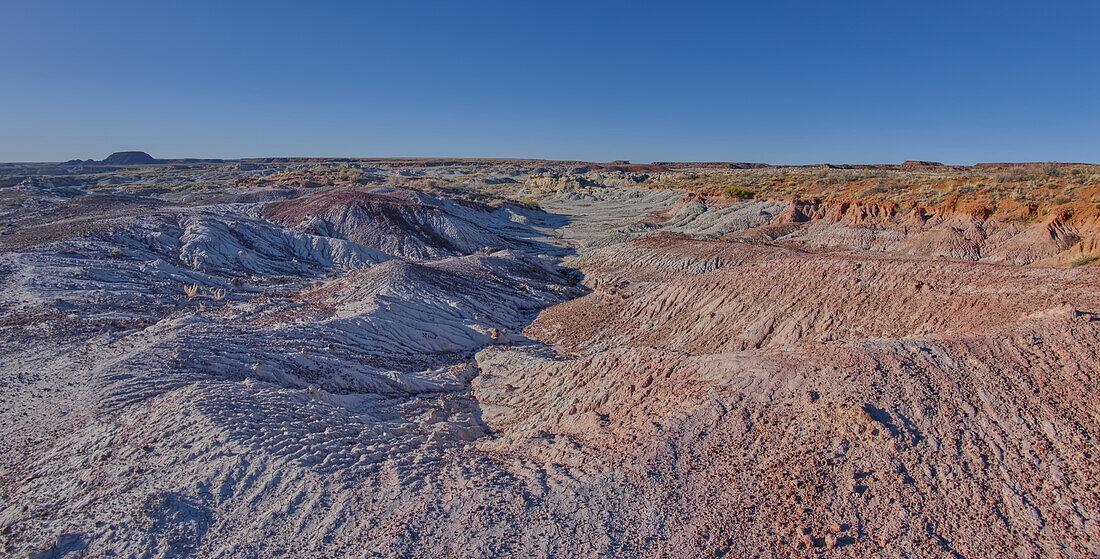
(523, 358)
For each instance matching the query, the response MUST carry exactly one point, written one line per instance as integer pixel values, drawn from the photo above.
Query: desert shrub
(882, 187)
(1019, 195)
(1051, 169)
(738, 192)
(827, 178)
(1013, 174)
(351, 174)
(1086, 258)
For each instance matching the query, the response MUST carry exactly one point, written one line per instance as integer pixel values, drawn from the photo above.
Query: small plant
(1012, 174)
(1084, 259)
(191, 290)
(1051, 169)
(882, 187)
(351, 174)
(219, 294)
(738, 192)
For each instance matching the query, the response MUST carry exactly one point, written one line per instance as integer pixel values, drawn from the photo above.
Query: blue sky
(777, 82)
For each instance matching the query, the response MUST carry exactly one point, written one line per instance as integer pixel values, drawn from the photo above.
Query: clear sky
(769, 81)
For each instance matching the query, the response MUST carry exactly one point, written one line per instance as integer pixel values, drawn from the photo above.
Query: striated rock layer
(386, 371)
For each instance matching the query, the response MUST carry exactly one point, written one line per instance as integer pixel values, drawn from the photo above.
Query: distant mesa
(129, 158)
(917, 164)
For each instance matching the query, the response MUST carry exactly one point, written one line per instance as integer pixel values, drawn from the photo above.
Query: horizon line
(550, 160)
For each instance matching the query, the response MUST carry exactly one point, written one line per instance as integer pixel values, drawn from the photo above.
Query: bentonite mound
(399, 223)
(607, 371)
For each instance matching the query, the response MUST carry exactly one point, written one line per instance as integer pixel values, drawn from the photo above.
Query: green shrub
(738, 192)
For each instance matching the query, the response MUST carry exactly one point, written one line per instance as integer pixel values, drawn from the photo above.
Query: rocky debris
(929, 430)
